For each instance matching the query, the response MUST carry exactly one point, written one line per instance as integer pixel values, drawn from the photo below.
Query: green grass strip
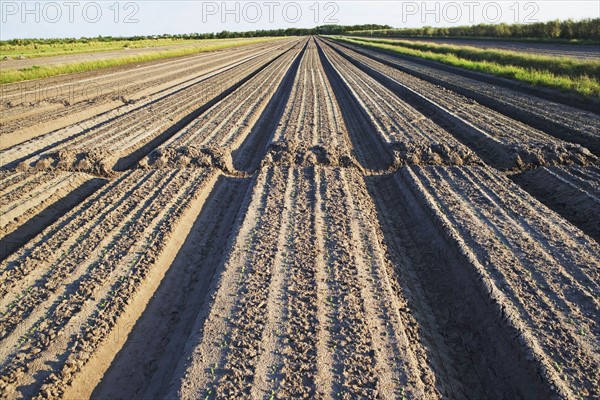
(401, 36)
(583, 84)
(37, 50)
(555, 64)
(36, 72)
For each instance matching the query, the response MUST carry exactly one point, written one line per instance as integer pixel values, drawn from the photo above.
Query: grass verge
(557, 65)
(38, 50)
(36, 72)
(569, 75)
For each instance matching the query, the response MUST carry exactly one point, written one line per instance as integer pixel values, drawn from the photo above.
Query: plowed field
(297, 219)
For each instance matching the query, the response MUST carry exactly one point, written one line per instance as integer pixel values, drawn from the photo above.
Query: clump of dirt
(528, 155)
(290, 152)
(94, 162)
(189, 157)
(410, 153)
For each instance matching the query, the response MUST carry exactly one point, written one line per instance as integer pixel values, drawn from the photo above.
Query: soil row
(500, 141)
(559, 119)
(112, 143)
(311, 130)
(32, 109)
(63, 293)
(210, 139)
(535, 269)
(305, 305)
(410, 135)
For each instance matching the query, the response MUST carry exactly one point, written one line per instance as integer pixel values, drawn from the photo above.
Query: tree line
(319, 30)
(586, 29)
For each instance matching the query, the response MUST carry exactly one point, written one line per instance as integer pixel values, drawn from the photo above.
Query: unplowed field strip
(299, 220)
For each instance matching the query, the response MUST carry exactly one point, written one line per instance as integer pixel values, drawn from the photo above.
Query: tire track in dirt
(497, 139)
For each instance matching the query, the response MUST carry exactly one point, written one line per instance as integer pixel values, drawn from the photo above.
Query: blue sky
(124, 18)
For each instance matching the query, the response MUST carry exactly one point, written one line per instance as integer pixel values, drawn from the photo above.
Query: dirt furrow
(496, 138)
(211, 138)
(35, 200)
(311, 130)
(573, 192)
(325, 386)
(308, 220)
(536, 268)
(80, 320)
(413, 137)
(550, 114)
(370, 150)
(290, 320)
(177, 302)
(142, 127)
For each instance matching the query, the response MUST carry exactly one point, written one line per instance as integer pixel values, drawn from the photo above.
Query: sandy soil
(551, 113)
(30, 109)
(299, 221)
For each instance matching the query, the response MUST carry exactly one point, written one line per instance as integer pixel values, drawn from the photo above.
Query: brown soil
(299, 220)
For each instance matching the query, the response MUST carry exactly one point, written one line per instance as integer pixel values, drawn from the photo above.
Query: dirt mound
(432, 154)
(94, 162)
(527, 155)
(290, 152)
(190, 157)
